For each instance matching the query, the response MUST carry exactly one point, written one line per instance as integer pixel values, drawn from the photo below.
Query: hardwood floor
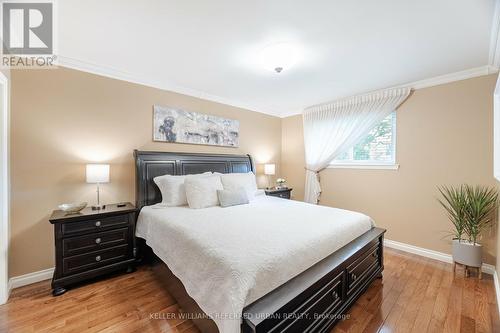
(415, 295)
(423, 295)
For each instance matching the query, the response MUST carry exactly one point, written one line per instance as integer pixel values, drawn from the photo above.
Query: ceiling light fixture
(278, 57)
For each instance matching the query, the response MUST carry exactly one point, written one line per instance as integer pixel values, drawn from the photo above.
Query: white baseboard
(497, 289)
(24, 280)
(444, 257)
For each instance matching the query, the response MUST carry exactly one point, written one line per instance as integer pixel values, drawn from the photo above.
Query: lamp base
(101, 207)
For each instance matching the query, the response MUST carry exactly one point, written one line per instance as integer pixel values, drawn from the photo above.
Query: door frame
(4, 189)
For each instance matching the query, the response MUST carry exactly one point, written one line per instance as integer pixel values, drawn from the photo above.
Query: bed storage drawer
(361, 270)
(94, 225)
(327, 290)
(312, 305)
(95, 241)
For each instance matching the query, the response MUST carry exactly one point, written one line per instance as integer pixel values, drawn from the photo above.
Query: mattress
(229, 257)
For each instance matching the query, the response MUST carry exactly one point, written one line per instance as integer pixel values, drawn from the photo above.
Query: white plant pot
(466, 253)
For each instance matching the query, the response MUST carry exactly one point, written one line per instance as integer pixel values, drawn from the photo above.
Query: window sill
(365, 166)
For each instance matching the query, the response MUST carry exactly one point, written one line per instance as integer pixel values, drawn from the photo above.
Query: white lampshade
(269, 169)
(97, 173)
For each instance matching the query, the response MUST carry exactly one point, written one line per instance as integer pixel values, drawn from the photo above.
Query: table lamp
(97, 174)
(269, 170)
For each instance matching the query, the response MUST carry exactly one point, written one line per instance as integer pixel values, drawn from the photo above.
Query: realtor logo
(27, 30)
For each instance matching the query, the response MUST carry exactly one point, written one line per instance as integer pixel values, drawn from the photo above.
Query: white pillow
(201, 192)
(235, 181)
(172, 188)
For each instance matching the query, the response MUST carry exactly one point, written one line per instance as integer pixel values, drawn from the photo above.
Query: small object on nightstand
(72, 208)
(280, 183)
(92, 243)
(121, 204)
(285, 193)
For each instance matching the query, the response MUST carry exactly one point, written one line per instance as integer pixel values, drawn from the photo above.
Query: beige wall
(444, 136)
(62, 119)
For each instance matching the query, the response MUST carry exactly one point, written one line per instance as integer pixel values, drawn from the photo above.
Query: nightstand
(285, 193)
(92, 243)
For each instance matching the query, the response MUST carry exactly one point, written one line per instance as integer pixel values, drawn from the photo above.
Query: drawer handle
(374, 254)
(98, 224)
(353, 277)
(97, 240)
(98, 258)
(335, 295)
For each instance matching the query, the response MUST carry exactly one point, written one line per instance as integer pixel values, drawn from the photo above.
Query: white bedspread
(229, 257)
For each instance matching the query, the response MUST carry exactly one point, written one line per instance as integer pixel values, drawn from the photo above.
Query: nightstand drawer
(284, 195)
(281, 193)
(93, 242)
(91, 260)
(93, 225)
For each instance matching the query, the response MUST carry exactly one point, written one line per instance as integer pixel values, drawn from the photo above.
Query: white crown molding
(452, 77)
(494, 55)
(162, 85)
(434, 81)
(168, 86)
(30, 278)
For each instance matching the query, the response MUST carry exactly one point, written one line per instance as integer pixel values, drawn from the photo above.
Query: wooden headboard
(149, 164)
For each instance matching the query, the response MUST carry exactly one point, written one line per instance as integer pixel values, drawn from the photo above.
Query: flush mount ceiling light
(278, 57)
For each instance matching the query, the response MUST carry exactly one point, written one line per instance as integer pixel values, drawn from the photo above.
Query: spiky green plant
(455, 204)
(471, 209)
(482, 203)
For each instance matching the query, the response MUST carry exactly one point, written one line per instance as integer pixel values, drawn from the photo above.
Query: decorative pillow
(229, 198)
(235, 181)
(172, 188)
(201, 192)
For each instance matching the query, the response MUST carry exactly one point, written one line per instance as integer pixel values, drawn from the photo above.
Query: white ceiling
(210, 48)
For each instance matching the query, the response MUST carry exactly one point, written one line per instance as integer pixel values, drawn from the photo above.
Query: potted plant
(472, 210)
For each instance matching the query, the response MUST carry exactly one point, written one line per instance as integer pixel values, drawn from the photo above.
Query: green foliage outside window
(377, 146)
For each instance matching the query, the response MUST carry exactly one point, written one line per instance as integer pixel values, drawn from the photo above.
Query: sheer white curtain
(332, 128)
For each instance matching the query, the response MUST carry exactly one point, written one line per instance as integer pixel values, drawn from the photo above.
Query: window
(377, 149)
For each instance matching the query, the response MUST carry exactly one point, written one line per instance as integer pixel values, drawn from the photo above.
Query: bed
(273, 265)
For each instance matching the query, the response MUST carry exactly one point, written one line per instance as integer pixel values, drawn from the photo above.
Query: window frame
(370, 164)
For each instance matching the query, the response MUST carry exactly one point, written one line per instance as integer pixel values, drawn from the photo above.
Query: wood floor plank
(492, 301)
(408, 280)
(407, 320)
(415, 293)
(441, 304)
(482, 308)
(381, 307)
(425, 312)
(467, 325)
(453, 313)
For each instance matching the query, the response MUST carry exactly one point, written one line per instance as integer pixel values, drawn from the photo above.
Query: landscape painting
(180, 126)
